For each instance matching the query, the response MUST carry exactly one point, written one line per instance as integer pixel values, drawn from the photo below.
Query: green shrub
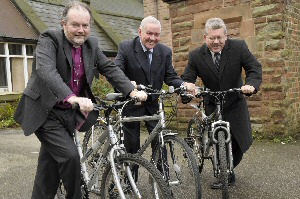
(7, 111)
(101, 87)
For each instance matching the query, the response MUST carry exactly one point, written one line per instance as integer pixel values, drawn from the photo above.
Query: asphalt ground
(268, 170)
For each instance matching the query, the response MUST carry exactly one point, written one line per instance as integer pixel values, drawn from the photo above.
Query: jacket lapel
(224, 57)
(155, 64)
(86, 52)
(141, 58)
(68, 51)
(209, 61)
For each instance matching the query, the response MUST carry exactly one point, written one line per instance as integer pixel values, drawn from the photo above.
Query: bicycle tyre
(182, 167)
(89, 139)
(93, 132)
(145, 171)
(223, 164)
(195, 132)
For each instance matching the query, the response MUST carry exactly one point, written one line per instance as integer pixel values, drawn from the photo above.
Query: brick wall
(160, 10)
(271, 30)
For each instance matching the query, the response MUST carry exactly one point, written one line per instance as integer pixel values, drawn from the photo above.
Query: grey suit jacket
(133, 61)
(235, 56)
(51, 74)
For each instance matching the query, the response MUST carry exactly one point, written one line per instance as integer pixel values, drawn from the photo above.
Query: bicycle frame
(164, 156)
(108, 139)
(160, 117)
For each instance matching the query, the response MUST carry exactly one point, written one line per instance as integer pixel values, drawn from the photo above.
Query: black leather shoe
(219, 185)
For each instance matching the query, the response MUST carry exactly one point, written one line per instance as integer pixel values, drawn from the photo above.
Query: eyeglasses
(212, 39)
(77, 26)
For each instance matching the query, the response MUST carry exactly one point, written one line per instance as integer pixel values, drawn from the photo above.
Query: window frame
(7, 56)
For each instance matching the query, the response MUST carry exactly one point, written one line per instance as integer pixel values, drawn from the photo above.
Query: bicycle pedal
(113, 193)
(190, 141)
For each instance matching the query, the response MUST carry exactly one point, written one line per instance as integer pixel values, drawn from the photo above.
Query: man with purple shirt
(62, 75)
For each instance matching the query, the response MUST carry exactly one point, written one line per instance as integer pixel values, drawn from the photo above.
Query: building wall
(160, 10)
(271, 30)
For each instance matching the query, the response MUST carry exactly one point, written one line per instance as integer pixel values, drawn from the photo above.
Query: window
(1, 48)
(3, 81)
(15, 49)
(30, 49)
(15, 66)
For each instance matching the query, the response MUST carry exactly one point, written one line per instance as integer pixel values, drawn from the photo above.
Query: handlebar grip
(140, 87)
(114, 96)
(171, 89)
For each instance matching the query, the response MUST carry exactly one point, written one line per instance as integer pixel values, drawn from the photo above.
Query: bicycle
(109, 174)
(179, 168)
(209, 136)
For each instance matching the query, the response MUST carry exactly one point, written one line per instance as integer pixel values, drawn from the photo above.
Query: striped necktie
(217, 60)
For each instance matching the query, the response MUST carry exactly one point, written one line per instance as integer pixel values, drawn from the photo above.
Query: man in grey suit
(219, 63)
(62, 76)
(145, 61)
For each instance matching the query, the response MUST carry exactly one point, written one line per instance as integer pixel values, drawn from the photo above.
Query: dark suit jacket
(51, 74)
(133, 61)
(235, 56)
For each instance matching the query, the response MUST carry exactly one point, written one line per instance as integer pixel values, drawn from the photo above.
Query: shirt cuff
(68, 97)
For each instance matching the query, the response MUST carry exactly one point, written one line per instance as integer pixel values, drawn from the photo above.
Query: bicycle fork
(224, 127)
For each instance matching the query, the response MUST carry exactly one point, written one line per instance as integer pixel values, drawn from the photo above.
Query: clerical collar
(145, 49)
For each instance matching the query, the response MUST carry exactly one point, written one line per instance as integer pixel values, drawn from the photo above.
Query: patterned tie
(217, 60)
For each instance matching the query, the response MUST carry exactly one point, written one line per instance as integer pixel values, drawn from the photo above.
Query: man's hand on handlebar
(190, 87)
(140, 95)
(248, 89)
(85, 104)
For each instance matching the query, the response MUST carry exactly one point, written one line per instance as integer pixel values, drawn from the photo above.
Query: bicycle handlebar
(105, 104)
(217, 93)
(151, 91)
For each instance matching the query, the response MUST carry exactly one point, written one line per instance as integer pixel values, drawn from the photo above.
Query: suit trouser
(58, 157)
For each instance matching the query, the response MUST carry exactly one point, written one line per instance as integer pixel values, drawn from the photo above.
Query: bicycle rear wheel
(194, 138)
(149, 182)
(223, 164)
(89, 139)
(91, 135)
(180, 167)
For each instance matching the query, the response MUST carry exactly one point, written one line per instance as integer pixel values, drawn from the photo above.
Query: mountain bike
(171, 155)
(106, 167)
(209, 136)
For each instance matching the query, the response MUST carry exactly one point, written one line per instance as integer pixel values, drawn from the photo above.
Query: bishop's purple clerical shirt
(78, 77)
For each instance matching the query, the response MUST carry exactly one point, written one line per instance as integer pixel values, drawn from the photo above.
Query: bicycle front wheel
(178, 164)
(223, 164)
(149, 181)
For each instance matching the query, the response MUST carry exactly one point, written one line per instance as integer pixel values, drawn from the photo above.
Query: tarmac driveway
(267, 171)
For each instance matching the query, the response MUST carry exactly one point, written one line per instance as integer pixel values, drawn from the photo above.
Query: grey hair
(149, 20)
(76, 5)
(213, 24)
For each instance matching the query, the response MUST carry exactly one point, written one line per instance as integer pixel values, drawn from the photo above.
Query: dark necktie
(217, 60)
(148, 58)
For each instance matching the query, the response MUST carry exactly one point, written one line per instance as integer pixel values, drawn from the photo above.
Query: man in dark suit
(145, 61)
(62, 76)
(219, 63)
